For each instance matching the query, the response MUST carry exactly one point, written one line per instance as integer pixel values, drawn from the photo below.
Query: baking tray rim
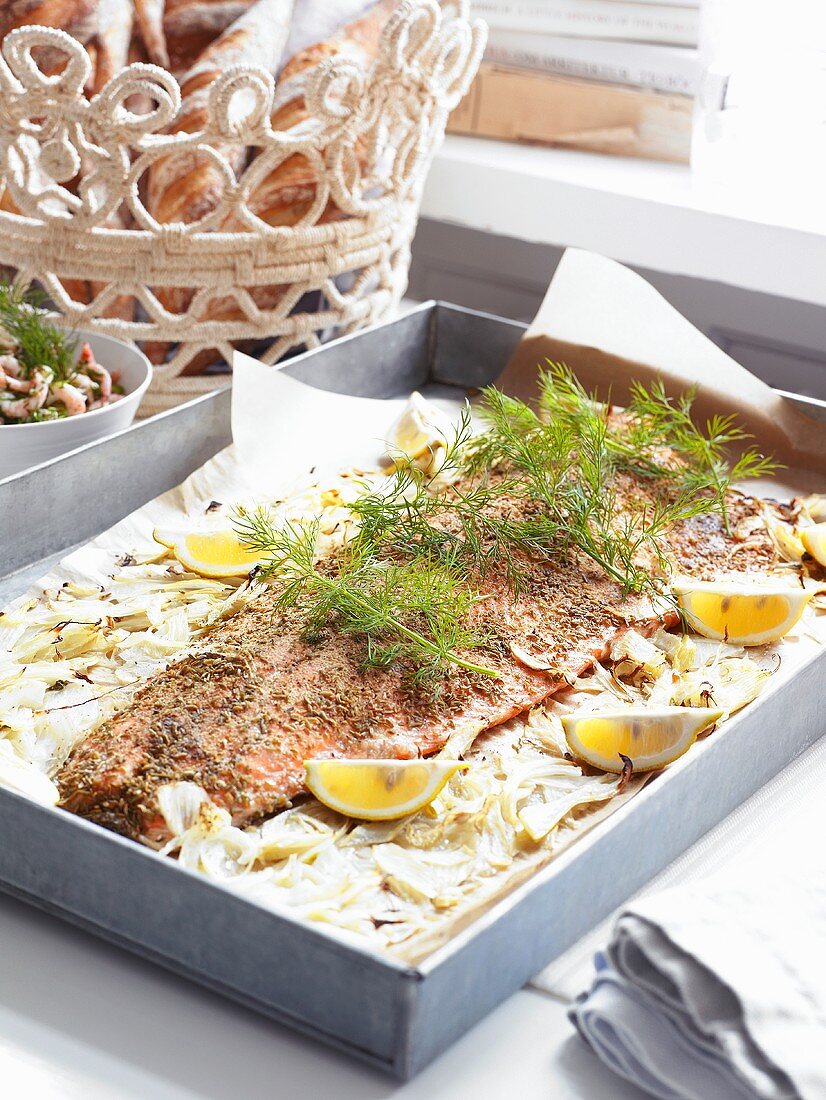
(430, 307)
(489, 912)
(377, 960)
(420, 307)
(72, 820)
(658, 781)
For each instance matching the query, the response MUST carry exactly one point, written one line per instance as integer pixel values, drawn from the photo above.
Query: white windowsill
(640, 212)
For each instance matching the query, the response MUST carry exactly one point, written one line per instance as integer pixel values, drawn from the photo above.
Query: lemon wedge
(420, 430)
(378, 790)
(814, 541)
(215, 554)
(650, 737)
(741, 613)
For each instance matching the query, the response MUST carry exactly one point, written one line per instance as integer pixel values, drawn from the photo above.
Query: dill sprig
(699, 459)
(568, 454)
(407, 612)
(530, 485)
(435, 515)
(703, 455)
(38, 342)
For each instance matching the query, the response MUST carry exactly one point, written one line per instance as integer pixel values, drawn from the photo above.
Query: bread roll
(150, 15)
(288, 192)
(191, 25)
(114, 33)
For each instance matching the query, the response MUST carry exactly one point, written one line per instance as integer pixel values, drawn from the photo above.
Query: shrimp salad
(42, 374)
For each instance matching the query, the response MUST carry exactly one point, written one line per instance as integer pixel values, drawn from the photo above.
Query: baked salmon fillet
(239, 715)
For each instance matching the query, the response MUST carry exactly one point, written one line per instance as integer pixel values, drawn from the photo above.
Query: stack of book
(614, 76)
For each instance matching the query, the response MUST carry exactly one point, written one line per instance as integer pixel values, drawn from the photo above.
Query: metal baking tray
(392, 1015)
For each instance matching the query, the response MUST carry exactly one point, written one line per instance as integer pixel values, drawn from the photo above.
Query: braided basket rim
(428, 55)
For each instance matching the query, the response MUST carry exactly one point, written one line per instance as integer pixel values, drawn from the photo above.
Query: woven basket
(369, 140)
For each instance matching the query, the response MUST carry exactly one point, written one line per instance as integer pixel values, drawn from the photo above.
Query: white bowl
(25, 445)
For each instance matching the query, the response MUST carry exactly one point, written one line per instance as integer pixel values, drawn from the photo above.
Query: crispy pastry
(114, 34)
(191, 25)
(288, 192)
(187, 187)
(150, 15)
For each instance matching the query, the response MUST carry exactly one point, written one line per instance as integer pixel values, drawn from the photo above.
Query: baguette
(110, 51)
(288, 192)
(191, 25)
(105, 28)
(150, 15)
(90, 87)
(76, 17)
(73, 16)
(285, 195)
(114, 34)
(317, 20)
(187, 187)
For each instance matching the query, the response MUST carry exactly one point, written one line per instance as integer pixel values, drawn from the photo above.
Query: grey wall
(780, 340)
